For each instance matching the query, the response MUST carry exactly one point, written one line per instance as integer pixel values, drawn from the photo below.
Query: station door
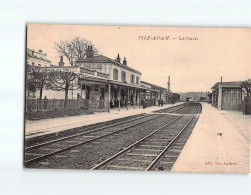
(231, 99)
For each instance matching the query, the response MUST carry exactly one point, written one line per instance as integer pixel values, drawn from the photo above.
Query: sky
(195, 58)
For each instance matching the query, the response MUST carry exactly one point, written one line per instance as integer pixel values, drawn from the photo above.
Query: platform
(220, 142)
(47, 126)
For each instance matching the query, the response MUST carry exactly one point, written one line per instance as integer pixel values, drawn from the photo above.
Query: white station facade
(106, 83)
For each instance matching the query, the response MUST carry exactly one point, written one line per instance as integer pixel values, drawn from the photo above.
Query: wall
(37, 58)
(53, 94)
(128, 74)
(108, 69)
(50, 94)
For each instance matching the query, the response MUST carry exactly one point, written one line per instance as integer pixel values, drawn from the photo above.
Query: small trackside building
(227, 95)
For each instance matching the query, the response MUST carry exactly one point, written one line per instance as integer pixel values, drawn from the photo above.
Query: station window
(123, 76)
(115, 74)
(137, 80)
(132, 78)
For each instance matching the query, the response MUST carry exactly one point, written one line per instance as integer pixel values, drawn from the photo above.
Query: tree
(74, 49)
(63, 81)
(246, 85)
(30, 82)
(36, 79)
(41, 80)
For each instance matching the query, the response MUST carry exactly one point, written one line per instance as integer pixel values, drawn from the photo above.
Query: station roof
(228, 84)
(106, 81)
(104, 59)
(153, 86)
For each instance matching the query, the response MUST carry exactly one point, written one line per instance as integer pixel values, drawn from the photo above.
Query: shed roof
(228, 84)
(152, 85)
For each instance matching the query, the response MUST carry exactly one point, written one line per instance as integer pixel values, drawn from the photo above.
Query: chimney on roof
(89, 52)
(118, 58)
(61, 62)
(124, 61)
(221, 79)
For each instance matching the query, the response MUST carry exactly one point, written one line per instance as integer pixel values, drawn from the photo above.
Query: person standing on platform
(144, 104)
(111, 104)
(161, 102)
(125, 102)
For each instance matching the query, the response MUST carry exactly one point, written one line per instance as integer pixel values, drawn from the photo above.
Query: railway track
(180, 109)
(172, 109)
(195, 109)
(54, 136)
(190, 109)
(42, 151)
(147, 153)
(83, 133)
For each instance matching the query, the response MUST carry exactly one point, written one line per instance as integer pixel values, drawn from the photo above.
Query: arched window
(115, 74)
(137, 80)
(123, 76)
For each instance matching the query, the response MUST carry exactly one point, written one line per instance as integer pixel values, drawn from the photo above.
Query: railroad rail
(141, 148)
(39, 152)
(172, 109)
(80, 134)
(79, 139)
(180, 109)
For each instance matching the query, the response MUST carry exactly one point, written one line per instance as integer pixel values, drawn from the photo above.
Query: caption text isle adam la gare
(167, 38)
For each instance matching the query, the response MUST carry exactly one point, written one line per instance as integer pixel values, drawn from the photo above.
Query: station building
(108, 80)
(37, 58)
(227, 95)
(153, 93)
(106, 83)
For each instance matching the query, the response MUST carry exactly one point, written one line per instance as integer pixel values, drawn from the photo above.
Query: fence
(33, 105)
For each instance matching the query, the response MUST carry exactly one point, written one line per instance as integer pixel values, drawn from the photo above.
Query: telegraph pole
(168, 88)
(168, 83)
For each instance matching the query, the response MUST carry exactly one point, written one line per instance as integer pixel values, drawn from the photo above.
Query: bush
(55, 114)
